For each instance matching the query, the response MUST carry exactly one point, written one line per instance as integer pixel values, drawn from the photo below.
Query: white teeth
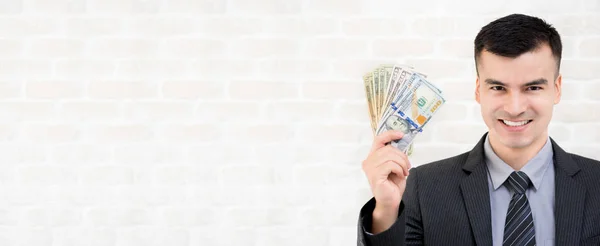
(513, 123)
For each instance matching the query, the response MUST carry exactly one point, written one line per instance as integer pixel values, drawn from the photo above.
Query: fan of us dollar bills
(400, 98)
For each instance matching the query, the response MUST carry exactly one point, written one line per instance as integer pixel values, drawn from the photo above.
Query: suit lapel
(569, 198)
(474, 188)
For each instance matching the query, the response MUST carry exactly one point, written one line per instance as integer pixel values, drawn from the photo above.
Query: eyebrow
(541, 81)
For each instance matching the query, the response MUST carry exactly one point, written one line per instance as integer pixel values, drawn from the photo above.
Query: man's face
(517, 96)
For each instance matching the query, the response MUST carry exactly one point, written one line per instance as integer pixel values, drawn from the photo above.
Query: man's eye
(497, 88)
(534, 88)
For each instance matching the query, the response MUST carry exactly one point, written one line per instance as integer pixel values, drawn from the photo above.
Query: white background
(147, 122)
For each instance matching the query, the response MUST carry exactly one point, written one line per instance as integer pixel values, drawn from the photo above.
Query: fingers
(377, 164)
(405, 158)
(382, 139)
(388, 153)
(393, 167)
(383, 170)
(396, 179)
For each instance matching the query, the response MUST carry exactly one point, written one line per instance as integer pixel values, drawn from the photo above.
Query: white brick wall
(215, 122)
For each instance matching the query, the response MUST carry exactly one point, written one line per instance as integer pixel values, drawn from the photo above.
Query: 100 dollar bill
(410, 111)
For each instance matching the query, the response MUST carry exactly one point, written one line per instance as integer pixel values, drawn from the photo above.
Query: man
(517, 186)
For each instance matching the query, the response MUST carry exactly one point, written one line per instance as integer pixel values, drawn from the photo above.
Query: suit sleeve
(408, 228)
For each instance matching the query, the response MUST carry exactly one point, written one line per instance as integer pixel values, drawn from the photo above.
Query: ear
(477, 90)
(558, 89)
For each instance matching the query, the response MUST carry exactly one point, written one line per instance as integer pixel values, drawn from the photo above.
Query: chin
(516, 142)
(513, 140)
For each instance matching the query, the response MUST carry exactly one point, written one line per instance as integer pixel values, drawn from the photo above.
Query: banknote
(384, 79)
(367, 79)
(398, 74)
(412, 110)
(400, 98)
(375, 88)
(397, 91)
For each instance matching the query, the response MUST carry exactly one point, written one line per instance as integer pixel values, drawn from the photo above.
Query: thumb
(382, 139)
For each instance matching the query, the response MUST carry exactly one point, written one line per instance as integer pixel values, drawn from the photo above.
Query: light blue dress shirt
(540, 170)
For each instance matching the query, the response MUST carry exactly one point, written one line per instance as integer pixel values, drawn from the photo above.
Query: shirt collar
(535, 168)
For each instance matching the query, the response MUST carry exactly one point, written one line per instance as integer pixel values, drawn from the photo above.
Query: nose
(516, 105)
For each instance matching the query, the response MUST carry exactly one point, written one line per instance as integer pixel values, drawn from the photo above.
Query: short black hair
(515, 34)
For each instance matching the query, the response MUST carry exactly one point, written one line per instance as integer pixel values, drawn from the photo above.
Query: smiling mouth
(515, 123)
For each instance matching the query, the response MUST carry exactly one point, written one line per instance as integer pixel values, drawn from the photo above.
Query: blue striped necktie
(518, 229)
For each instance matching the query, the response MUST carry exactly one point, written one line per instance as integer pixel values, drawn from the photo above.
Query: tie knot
(518, 182)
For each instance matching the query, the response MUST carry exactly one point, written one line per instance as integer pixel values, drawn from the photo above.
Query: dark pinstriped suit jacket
(447, 202)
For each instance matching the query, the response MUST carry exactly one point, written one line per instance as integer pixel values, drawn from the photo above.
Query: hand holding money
(401, 102)
(386, 168)
(400, 99)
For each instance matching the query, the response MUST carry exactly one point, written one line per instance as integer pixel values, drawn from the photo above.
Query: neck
(517, 157)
